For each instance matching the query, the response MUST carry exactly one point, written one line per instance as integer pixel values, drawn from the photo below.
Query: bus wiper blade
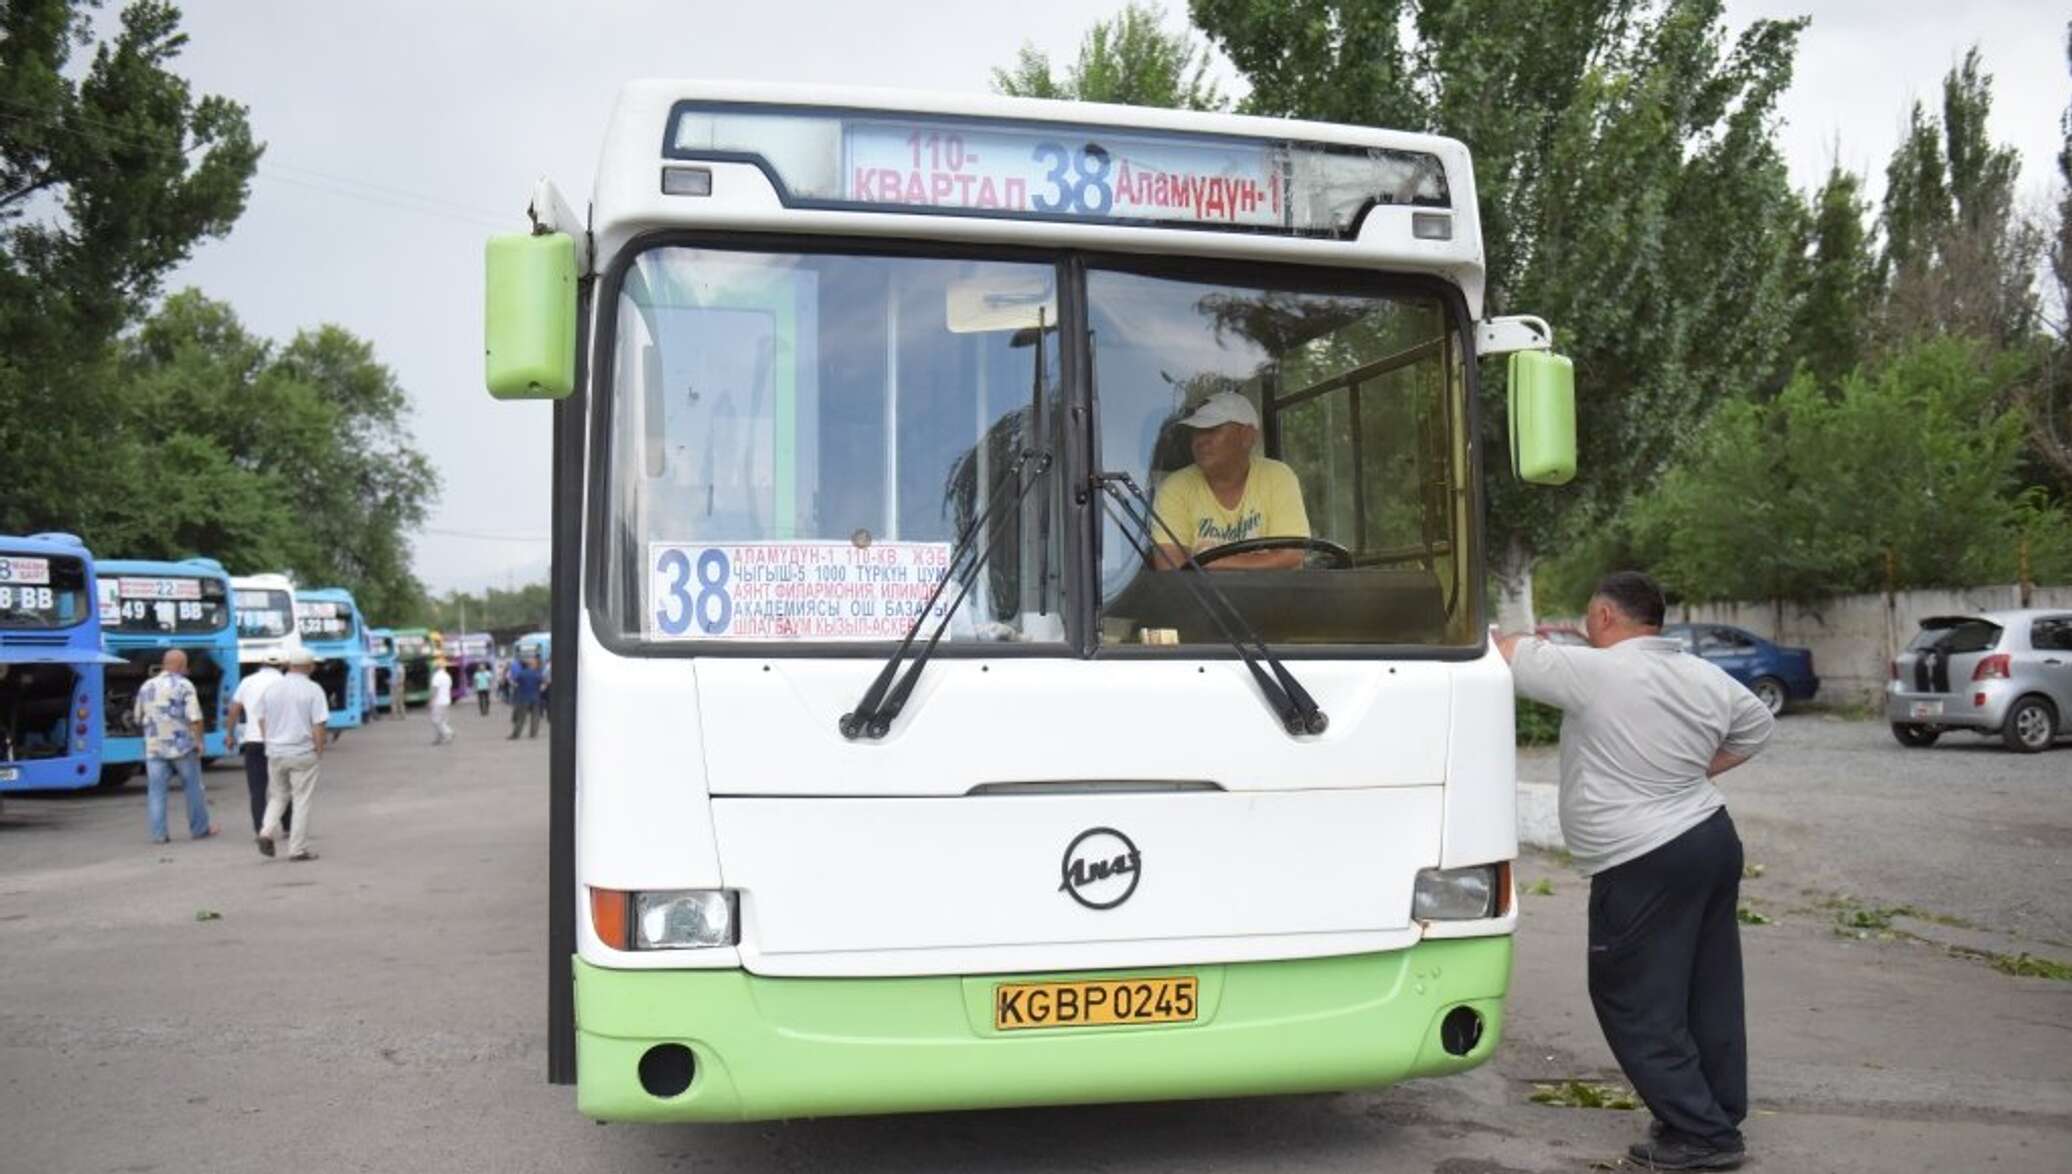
(1297, 710)
(884, 700)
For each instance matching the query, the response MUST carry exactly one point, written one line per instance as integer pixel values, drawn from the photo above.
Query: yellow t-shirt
(1270, 508)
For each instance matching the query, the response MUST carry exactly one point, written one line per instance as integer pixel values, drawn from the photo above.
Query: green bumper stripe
(817, 1047)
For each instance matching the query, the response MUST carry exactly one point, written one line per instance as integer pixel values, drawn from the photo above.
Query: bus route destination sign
(322, 619)
(1065, 171)
(33, 572)
(139, 601)
(791, 590)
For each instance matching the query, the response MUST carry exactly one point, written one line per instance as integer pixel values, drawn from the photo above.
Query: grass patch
(1752, 872)
(1540, 888)
(207, 915)
(2027, 965)
(1871, 918)
(1584, 1094)
(1748, 916)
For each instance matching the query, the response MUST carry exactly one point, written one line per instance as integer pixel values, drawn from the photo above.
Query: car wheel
(2031, 726)
(113, 777)
(1916, 736)
(1769, 691)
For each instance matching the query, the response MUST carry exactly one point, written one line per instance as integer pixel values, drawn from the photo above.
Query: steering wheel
(1320, 552)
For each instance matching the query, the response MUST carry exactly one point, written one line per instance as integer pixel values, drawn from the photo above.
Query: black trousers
(521, 711)
(482, 701)
(255, 782)
(1665, 977)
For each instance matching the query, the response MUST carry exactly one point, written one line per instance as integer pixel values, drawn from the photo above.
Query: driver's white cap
(1224, 407)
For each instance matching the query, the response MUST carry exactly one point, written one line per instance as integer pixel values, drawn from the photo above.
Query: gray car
(2001, 672)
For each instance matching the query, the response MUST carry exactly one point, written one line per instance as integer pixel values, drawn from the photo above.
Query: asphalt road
(381, 1008)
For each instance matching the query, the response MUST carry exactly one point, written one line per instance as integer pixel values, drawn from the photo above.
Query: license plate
(1927, 709)
(9, 774)
(1108, 1002)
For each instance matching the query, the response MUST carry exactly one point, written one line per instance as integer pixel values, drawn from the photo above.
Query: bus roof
(51, 542)
(822, 160)
(206, 568)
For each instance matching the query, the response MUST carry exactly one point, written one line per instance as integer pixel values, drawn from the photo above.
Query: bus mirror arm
(883, 700)
(1292, 704)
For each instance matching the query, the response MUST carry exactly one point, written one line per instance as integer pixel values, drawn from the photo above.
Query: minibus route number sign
(804, 590)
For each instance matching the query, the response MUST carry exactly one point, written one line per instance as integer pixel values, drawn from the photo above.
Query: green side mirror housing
(1543, 418)
(529, 316)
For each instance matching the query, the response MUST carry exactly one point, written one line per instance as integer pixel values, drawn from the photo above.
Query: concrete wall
(1854, 637)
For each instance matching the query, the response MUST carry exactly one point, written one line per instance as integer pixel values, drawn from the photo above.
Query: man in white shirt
(442, 701)
(292, 716)
(1644, 730)
(245, 708)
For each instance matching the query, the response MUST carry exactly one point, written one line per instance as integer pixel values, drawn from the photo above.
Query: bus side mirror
(1543, 417)
(529, 316)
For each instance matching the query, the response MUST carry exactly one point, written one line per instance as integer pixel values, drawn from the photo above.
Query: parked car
(1777, 675)
(2004, 672)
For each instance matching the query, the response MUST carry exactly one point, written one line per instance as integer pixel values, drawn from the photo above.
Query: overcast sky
(400, 134)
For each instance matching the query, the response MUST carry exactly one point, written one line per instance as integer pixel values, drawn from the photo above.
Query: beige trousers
(287, 778)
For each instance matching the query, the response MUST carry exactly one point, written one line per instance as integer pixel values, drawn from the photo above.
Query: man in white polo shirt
(292, 716)
(246, 706)
(1644, 730)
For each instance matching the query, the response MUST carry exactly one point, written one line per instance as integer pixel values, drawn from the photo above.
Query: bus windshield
(263, 614)
(1352, 405)
(323, 620)
(799, 440)
(160, 604)
(41, 592)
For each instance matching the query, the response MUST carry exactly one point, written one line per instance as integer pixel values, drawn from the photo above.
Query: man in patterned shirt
(169, 713)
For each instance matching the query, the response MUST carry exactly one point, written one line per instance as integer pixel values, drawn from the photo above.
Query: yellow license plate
(1106, 1002)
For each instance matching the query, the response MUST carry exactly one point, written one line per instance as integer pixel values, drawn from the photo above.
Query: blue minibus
(381, 648)
(330, 625)
(148, 607)
(51, 662)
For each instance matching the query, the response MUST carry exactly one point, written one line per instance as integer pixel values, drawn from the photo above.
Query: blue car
(1775, 674)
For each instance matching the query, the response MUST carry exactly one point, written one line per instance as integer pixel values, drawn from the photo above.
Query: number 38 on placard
(694, 592)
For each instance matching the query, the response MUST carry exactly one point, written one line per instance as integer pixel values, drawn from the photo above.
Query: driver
(1229, 493)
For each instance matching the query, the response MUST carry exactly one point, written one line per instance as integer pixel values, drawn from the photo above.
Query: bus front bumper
(815, 1047)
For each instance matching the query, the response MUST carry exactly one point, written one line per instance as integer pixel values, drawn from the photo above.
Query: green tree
(1130, 60)
(1835, 286)
(326, 489)
(108, 178)
(1803, 496)
(1959, 255)
(526, 607)
(2049, 406)
(1630, 191)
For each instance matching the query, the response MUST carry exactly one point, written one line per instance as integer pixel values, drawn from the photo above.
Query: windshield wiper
(883, 701)
(1298, 711)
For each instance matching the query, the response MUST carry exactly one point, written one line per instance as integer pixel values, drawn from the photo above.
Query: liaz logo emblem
(1101, 868)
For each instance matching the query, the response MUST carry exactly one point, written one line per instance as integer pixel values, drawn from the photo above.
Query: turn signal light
(610, 917)
(1996, 667)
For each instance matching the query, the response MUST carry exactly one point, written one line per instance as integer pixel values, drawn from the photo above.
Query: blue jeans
(159, 773)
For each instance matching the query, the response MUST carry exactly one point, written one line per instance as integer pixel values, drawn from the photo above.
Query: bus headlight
(665, 919)
(683, 920)
(1457, 894)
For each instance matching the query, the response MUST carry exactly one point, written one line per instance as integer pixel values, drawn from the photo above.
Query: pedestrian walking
(1645, 729)
(168, 711)
(526, 679)
(484, 681)
(293, 713)
(442, 702)
(246, 708)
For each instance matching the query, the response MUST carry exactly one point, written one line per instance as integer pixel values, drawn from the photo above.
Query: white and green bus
(896, 766)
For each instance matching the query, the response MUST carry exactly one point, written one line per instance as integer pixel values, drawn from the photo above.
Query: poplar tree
(1631, 192)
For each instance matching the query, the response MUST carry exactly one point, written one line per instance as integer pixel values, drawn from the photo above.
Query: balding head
(175, 661)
